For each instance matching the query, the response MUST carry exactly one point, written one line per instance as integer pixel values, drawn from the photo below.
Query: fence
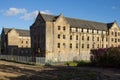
(24, 59)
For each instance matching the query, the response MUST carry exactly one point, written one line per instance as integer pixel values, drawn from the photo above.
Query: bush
(78, 63)
(48, 64)
(83, 63)
(72, 63)
(107, 57)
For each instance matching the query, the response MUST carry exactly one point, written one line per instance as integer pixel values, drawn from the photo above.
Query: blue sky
(22, 13)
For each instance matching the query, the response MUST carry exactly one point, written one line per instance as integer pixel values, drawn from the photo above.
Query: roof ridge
(22, 32)
(48, 14)
(76, 22)
(17, 29)
(76, 18)
(85, 20)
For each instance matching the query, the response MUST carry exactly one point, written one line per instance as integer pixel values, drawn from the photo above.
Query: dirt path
(15, 71)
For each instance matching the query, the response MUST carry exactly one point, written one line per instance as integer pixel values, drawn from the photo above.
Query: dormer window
(82, 30)
(76, 29)
(87, 30)
(92, 31)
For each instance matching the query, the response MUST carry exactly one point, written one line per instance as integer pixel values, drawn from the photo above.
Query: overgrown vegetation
(106, 57)
(78, 63)
(103, 57)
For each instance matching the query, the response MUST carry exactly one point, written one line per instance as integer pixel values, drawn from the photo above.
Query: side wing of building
(15, 42)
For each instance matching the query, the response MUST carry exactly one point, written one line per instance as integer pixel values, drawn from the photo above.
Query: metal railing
(24, 59)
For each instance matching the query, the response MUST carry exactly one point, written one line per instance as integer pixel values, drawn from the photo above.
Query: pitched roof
(78, 22)
(109, 25)
(47, 17)
(20, 31)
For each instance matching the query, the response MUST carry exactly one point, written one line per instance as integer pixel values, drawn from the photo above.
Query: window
(76, 29)
(93, 46)
(112, 33)
(59, 36)
(64, 28)
(58, 45)
(58, 27)
(115, 40)
(87, 30)
(97, 38)
(82, 45)
(98, 46)
(64, 45)
(106, 46)
(87, 45)
(63, 36)
(82, 30)
(70, 29)
(70, 37)
(76, 37)
(82, 37)
(118, 40)
(102, 46)
(88, 38)
(112, 39)
(93, 38)
(76, 45)
(26, 42)
(70, 45)
(118, 33)
(102, 39)
(115, 33)
(97, 31)
(106, 39)
(102, 32)
(92, 31)
(107, 33)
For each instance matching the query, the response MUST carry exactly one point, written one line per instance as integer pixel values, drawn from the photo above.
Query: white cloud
(32, 15)
(46, 12)
(25, 15)
(15, 11)
(29, 16)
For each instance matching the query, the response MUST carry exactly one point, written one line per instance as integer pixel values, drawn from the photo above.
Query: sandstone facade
(59, 38)
(16, 42)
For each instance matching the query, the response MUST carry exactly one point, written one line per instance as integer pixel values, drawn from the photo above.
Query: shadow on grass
(53, 73)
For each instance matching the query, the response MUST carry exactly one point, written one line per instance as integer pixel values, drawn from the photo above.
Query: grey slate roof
(20, 31)
(78, 22)
(110, 24)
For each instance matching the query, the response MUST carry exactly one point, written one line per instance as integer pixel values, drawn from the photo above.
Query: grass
(78, 63)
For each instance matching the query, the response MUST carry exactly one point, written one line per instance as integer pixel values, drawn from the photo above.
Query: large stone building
(59, 38)
(15, 42)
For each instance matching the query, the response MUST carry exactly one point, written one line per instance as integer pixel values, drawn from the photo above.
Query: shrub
(106, 57)
(72, 63)
(78, 63)
(83, 63)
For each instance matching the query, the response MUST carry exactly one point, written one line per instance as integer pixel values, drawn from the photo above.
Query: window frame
(59, 27)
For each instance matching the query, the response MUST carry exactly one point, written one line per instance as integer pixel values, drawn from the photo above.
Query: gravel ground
(16, 71)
